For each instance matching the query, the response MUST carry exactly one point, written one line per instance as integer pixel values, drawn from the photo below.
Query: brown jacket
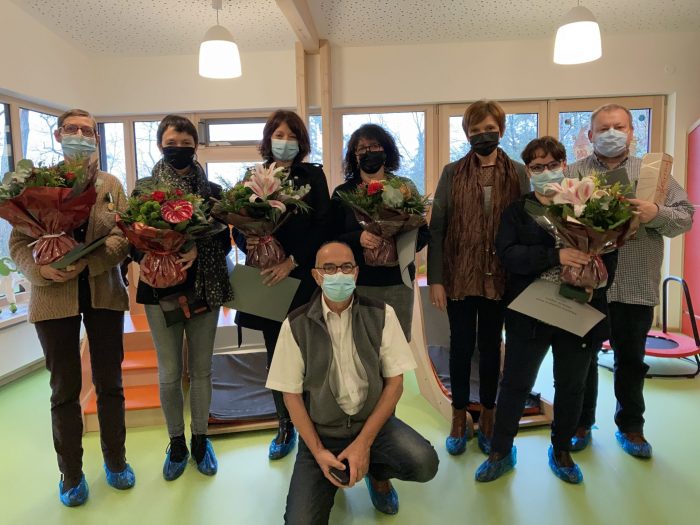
(52, 300)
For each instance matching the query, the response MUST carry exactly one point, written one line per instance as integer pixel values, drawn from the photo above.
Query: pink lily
(574, 192)
(265, 184)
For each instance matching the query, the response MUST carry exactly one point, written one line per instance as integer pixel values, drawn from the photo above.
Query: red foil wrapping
(49, 215)
(159, 266)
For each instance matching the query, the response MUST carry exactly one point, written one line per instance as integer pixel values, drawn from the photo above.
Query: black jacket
(345, 228)
(301, 236)
(146, 294)
(526, 250)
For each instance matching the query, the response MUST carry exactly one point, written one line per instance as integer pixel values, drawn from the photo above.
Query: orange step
(135, 323)
(136, 398)
(139, 360)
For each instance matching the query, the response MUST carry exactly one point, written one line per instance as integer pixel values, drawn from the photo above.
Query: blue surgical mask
(77, 145)
(610, 143)
(540, 180)
(284, 150)
(339, 286)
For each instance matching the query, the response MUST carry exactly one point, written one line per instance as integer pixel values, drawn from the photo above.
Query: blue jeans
(200, 332)
(397, 452)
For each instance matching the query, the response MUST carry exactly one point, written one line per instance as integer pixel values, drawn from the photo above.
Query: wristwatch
(295, 264)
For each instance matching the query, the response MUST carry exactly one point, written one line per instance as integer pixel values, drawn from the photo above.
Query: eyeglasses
(372, 147)
(330, 268)
(72, 129)
(539, 168)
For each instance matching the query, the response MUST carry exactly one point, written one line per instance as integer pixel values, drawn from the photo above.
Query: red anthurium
(176, 211)
(374, 187)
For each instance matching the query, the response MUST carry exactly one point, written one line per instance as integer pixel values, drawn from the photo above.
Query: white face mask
(610, 143)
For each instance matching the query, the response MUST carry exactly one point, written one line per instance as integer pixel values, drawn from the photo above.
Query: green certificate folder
(78, 253)
(253, 297)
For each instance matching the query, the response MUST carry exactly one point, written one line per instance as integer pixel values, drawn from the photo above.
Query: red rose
(158, 196)
(70, 176)
(176, 211)
(179, 192)
(374, 187)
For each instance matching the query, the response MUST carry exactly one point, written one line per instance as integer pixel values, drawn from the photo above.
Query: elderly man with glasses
(340, 361)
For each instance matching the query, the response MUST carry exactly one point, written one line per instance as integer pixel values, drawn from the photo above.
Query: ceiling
(175, 27)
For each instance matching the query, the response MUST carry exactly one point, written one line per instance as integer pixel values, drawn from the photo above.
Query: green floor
(248, 489)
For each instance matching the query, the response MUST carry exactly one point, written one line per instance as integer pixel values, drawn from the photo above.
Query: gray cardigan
(442, 211)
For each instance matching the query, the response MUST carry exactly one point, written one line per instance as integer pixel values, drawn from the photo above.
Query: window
(38, 141)
(316, 138)
(146, 144)
(228, 173)
(112, 155)
(6, 165)
(232, 132)
(407, 128)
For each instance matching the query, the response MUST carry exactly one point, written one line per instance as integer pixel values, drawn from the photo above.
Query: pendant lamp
(218, 53)
(578, 38)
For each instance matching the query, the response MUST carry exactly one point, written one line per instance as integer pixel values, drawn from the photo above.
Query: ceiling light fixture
(578, 38)
(218, 53)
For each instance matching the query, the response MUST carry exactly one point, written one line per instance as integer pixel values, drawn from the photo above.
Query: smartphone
(341, 476)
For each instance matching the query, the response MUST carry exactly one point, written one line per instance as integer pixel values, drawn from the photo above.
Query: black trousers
(524, 355)
(475, 320)
(60, 341)
(271, 332)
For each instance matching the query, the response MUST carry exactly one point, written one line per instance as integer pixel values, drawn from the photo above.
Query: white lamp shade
(218, 55)
(578, 38)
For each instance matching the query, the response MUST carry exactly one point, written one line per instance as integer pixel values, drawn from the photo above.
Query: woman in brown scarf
(464, 273)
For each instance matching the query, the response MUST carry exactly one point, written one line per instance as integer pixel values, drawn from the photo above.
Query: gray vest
(311, 334)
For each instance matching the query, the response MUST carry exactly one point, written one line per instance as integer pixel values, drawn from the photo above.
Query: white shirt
(348, 380)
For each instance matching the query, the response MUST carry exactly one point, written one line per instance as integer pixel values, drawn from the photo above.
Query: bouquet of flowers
(48, 202)
(258, 205)
(386, 208)
(162, 221)
(594, 218)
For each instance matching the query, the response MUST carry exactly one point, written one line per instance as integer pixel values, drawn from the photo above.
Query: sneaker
(121, 480)
(494, 467)
(581, 439)
(284, 441)
(176, 456)
(384, 499)
(569, 474)
(203, 454)
(74, 496)
(462, 429)
(634, 444)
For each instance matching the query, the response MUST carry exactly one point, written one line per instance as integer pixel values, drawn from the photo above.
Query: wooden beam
(302, 88)
(327, 110)
(299, 16)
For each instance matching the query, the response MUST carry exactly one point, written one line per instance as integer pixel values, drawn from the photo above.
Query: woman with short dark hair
(286, 142)
(372, 154)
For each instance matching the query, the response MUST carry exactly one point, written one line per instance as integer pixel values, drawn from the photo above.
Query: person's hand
(647, 210)
(438, 297)
(61, 276)
(573, 257)
(370, 241)
(276, 273)
(326, 460)
(251, 240)
(357, 454)
(187, 259)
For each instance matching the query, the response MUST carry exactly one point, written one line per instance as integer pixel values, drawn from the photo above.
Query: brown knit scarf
(471, 264)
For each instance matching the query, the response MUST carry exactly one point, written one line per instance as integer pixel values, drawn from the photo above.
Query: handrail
(688, 301)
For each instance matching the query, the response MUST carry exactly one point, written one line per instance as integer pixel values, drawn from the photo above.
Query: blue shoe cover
(484, 442)
(209, 465)
(75, 496)
(568, 474)
(173, 469)
(457, 445)
(121, 480)
(580, 443)
(386, 503)
(280, 450)
(638, 450)
(491, 470)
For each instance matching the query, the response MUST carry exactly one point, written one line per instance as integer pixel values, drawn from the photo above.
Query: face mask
(77, 145)
(339, 286)
(610, 143)
(285, 150)
(485, 143)
(372, 161)
(179, 157)
(540, 180)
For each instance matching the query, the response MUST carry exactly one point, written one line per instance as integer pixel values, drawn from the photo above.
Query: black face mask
(485, 143)
(179, 157)
(372, 161)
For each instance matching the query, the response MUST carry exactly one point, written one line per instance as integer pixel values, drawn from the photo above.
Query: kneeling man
(340, 361)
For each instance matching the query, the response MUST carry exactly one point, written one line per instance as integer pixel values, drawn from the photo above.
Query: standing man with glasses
(635, 290)
(340, 361)
(90, 291)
